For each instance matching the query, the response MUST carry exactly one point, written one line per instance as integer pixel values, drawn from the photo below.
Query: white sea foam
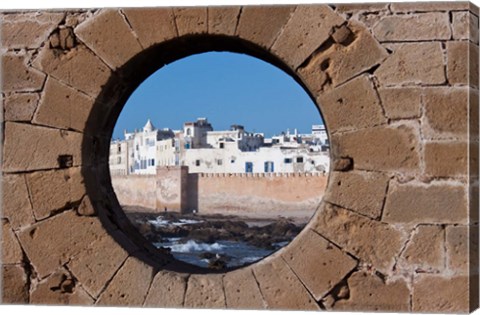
(192, 246)
(159, 221)
(186, 221)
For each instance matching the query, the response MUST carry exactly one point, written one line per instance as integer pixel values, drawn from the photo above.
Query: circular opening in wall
(220, 158)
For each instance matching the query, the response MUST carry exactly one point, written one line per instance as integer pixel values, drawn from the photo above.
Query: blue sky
(227, 88)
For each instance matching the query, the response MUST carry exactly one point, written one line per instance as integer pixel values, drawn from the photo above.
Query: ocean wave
(192, 246)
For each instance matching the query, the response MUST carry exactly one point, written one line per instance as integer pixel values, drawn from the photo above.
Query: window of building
(222, 145)
(287, 160)
(119, 149)
(219, 162)
(197, 162)
(248, 167)
(268, 167)
(300, 159)
(119, 160)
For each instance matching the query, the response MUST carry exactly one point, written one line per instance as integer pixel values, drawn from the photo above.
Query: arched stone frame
(340, 64)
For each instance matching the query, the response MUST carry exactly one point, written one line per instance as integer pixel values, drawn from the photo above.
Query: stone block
(345, 187)
(413, 63)
(281, 289)
(205, 291)
(389, 148)
(413, 27)
(306, 30)
(462, 63)
(368, 292)
(60, 289)
(16, 205)
(151, 25)
(86, 208)
(17, 75)
(20, 107)
(429, 6)
(11, 251)
(191, 20)
(27, 30)
(402, 102)
(23, 141)
(425, 250)
(108, 35)
(167, 290)
(416, 203)
(354, 105)
(465, 26)
(14, 285)
(129, 286)
(63, 107)
(255, 27)
(242, 291)
(440, 293)
(362, 7)
(319, 264)
(446, 159)
(373, 242)
(223, 20)
(458, 245)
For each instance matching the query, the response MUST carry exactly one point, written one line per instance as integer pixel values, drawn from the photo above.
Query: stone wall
(397, 85)
(136, 190)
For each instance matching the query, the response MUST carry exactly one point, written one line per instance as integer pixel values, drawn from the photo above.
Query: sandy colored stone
(16, 205)
(167, 290)
(319, 264)
(242, 291)
(307, 29)
(413, 27)
(205, 291)
(63, 107)
(342, 164)
(28, 29)
(345, 187)
(86, 208)
(421, 203)
(460, 245)
(429, 6)
(369, 293)
(151, 25)
(20, 107)
(465, 26)
(354, 105)
(402, 102)
(129, 286)
(413, 63)
(60, 289)
(262, 24)
(462, 63)
(223, 20)
(362, 7)
(14, 285)
(446, 159)
(192, 20)
(17, 75)
(425, 250)
(108, 35)
(440, 293)
(281, 289)
(11, 251)
(389, 148)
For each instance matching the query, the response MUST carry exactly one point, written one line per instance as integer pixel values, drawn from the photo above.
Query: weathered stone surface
(462, 63)
(14, 285)
(86, 208)
(346, 187)
(465, 26)
(151, 25)
(401, 103)
(16, 205)
(373, 242)
(446, 159)
(22, 142)
(369, 293)
(191, 20)
(59, 288)
(223, 20)
(63, 107)
(55, 241)
(27, 30)
(305, 31)
(413, 27)
(354, 105)
(445, 113)
(205, 291)
(429, 6)
(110, 37)
(242, 291)
(20, 107)
(11, 251)
(425, 250)
(342, 164)
(458, 251)
(167, 290)
(414, 63)
(440, 293)
(389, 148)
(17, 75)
(255, 27)
(363, 7)
(280, 287)
(129, 286)
(319, 264)
(421, 203)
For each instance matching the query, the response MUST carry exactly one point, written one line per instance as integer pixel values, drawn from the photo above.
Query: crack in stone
(187, 280)
(239, 15)
(265, 304)
(102, 290)
(125, 18)
(283, 28)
